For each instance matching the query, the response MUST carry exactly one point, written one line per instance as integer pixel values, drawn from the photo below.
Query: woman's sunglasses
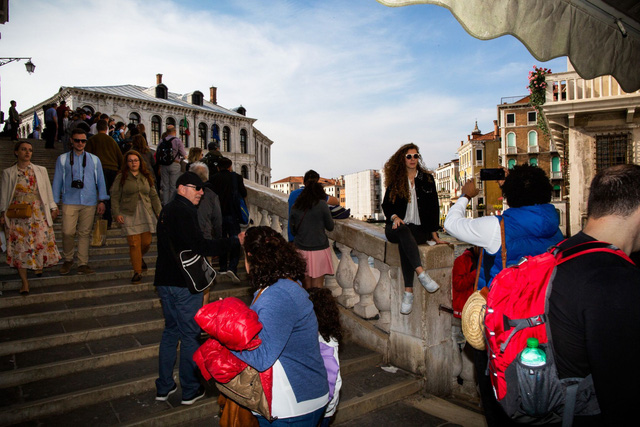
(410, 156)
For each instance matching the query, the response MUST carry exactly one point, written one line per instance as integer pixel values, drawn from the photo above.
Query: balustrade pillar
(382, 295)
(264, 220)
(330, 281)
(364, 284)
(344, 275)
(275, 223)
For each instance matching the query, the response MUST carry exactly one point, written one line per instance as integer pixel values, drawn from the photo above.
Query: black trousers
(50, 134)
(408, 237)
(109, 177)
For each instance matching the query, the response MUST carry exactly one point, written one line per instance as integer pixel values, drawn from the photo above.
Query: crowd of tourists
(290, 333)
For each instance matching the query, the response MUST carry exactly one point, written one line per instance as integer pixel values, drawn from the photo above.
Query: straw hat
(473, 320)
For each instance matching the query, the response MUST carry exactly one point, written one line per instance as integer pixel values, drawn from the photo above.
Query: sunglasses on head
(415, 156)
(195, 187)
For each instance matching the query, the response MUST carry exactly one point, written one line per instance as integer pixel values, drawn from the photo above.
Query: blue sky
(337, 85)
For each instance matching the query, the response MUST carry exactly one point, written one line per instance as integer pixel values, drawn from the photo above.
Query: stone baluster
(382, 295)
(275, 223)
(264, 220)
(364, 284)
(330, 281)
(344, 275)
(285, 229)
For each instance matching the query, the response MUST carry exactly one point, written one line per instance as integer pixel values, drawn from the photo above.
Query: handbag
(197, 271)
(234, 415)
(19, 210)
(99, 234)
(246, 390)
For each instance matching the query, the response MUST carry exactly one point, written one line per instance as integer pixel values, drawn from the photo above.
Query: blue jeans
(308, 420)
(230, 229)
(179, 306)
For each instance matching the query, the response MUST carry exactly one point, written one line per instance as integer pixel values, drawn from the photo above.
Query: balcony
(512, 150)
(370, 291)
(569, 87)
(534, 148)
(556, 175)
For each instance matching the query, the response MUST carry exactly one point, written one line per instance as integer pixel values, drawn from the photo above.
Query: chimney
(495, 128)
(158, 79)
(213, 95)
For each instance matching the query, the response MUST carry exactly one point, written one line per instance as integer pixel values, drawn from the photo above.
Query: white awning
(589, 32)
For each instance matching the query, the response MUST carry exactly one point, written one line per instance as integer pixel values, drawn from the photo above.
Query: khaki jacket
(125, 198)
(10, 180)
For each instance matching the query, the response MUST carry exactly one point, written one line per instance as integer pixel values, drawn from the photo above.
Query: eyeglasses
(195, 187)
(415, 156)
(84, 141)
(133, 161)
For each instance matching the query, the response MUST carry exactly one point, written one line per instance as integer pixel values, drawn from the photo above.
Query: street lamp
(30, 66)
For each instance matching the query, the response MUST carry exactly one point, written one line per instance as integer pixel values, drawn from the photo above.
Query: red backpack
(516, 310)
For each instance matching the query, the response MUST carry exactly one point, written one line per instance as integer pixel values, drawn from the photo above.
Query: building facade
(199, 121)
(448, 187)
(594, 124)
(363, 194)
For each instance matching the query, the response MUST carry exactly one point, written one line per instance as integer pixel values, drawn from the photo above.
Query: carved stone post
(275, 223)
(382, 295)
(265, 218)
(285, 228)
(330, 281)
(364, 284)
(345, 275)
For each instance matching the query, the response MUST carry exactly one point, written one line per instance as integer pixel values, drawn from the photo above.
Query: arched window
(555, 164)
(202, 135)
(161, 91)
(533, 161)
(266, 157)
(511, 139)
(184, 135)
(215, 133)
(243, 141)
(511, 163)
(533, 138)
(134, 118)
(156, 129)
(226, 139)
(89, 109)
(245, 172)
(257, 177)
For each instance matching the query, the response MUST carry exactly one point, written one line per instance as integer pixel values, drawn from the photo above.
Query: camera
(76, 183)
(495, 174)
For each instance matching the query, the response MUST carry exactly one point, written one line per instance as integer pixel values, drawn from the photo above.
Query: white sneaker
(230, 274)
(407, 303)
(427, 282)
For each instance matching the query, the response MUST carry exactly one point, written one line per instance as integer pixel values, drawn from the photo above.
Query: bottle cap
(532, 342)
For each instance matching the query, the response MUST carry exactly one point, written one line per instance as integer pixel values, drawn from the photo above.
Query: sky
(337, 85)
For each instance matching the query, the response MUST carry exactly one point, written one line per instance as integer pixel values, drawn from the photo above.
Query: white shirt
(483, 232)
(412, 216)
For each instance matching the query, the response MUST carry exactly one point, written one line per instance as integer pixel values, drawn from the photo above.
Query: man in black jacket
(225, 183)
(178, 230)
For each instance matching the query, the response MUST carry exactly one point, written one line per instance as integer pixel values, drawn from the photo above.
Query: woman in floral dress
(31, 243)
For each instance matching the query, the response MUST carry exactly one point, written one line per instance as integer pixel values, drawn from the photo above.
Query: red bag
(517, 310)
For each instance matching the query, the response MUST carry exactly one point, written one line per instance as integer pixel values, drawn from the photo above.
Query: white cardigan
(9, 181)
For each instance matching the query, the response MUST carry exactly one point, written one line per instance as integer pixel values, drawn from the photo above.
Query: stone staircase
(82, 350)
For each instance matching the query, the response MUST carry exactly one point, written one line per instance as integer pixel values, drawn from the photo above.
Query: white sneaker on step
(407, 303)
(427, 282)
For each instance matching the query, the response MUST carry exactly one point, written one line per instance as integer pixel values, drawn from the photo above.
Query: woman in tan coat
(135, 204)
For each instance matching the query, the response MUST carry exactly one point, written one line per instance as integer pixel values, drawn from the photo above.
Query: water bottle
(533, 356)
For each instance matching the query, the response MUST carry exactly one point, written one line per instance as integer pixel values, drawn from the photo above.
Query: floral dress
(31, 243)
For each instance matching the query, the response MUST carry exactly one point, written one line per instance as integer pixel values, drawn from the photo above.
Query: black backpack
(164, 152)
(211, 160)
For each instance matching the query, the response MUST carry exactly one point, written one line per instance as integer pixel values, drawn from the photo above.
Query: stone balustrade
(569, 86)
(371, 288)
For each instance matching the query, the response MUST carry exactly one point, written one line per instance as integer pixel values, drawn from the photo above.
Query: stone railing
(569, 86)
(424, 342)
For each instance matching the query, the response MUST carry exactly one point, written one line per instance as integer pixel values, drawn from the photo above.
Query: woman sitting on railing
(411, 208)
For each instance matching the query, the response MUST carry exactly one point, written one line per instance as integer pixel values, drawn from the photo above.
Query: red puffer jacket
(234, 326)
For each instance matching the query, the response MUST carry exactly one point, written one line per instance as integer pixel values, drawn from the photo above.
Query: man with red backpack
(593, 312)
(530, 227)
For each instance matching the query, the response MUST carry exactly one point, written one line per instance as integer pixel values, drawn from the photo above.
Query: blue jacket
(529, 230)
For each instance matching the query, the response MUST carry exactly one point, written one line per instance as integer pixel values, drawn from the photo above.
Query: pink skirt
(319, 262)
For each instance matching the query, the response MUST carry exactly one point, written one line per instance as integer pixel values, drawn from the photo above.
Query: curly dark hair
(526, 185)
(271, 257)
(326, 308)
(395, 173)
(312, 192)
